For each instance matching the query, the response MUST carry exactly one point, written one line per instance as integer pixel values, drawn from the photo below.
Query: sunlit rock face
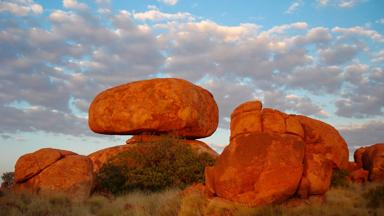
(51, 171)
(371, 158)
(273, 156)
(160, 106)
(137, 142)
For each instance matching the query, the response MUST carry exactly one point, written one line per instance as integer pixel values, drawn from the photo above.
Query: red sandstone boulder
(71, 174)
(258, 168)
(325, 150)
(325, 140)
(273, 155)
(99, 158)
(170, 106)
(358, 176)
(372, 160)
(31, 164)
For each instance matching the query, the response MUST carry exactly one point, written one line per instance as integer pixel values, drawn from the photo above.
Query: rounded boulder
(156, 106)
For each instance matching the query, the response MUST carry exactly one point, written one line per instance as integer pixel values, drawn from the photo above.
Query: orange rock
(251, 168)
(273, 120)
(316, 176)
(373, 161)
(71, 175)
(352, 166)
(293, 126)
(99, 158)
(358, 176)
(170, 106)
(325, 140)
(246, 118)
(258, 168)
(31, 164)
(358, 156)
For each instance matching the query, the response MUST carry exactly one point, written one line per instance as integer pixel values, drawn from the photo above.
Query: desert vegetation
(154, 166)
(352, 199)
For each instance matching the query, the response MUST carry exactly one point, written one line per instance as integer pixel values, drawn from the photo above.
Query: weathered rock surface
(358, 176)
(325, 140)
(57, 171)
(258, 168)
(170, 106)
(31, 164)
(99, 158)
(273, 155)
(372, 159)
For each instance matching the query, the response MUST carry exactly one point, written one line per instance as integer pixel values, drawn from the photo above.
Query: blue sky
(321, 58)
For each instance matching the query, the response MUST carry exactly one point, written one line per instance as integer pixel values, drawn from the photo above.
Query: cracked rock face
(49, 171)
(157, 106)
(273, 156)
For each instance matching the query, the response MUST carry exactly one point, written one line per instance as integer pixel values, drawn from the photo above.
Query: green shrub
(153, 166)
(7, 178)
(339, 178)
(375, 197)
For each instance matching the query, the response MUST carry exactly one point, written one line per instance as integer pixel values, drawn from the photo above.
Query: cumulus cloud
(21, 7)
(58, 70)
(168, 2)
(74, 4)
(292, 102)
(357, 135)
(156, 15)
(360, 31)
(340, 54)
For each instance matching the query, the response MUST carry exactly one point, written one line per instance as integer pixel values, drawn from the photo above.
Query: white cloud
(362, 134)
(168, 2)
(21, 7)
(293, 7)
(378, 57)
(339, 54)
(74, 4)
(323, 2)
(348, 3)
(360, 31)
(64, 65)
(155, 15)
(340, 3)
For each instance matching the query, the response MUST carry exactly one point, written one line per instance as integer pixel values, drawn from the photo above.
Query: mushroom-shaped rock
(158, 106)
(70, 174)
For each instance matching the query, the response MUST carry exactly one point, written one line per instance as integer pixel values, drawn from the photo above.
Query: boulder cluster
(271, 157)
(146, 109)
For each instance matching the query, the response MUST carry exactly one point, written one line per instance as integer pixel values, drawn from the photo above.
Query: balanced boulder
(51, 171)
(157, 106)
